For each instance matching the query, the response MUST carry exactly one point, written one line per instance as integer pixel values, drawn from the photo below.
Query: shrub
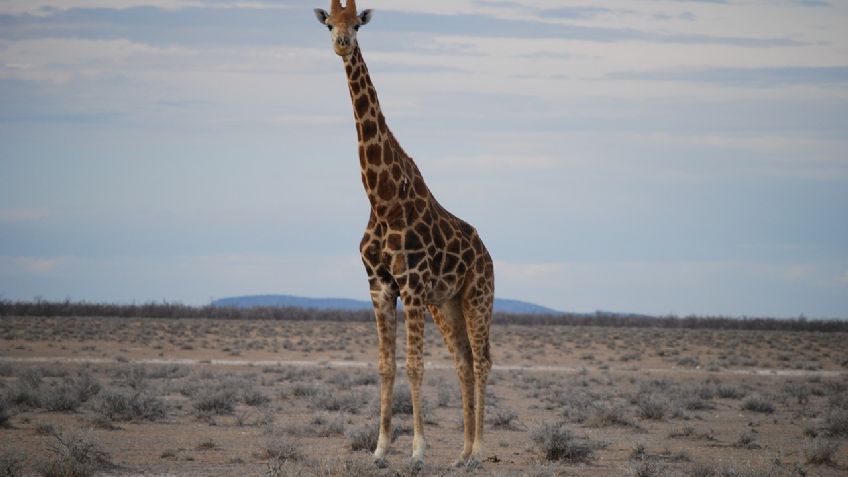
(503, 419)
(363, 438)
(730, 392)
(71, 393)
(692, 433)
(11, 465)
(820, 451)
(215, 401)
(138, 406)
(281, 448)
(335, 401)
(798, 391)
(555, 442)
(323, 426)
(207, 444)
(746, 441)
(4, 414)
(652, 407)
(697, 403)
(356, 465)
(75, 455)
(725, 469)
(836, 423)
(281, 454)
(253, 397)
(25, 392)
(607, 415)
(758, 404)
(647, 468)
(402, 402)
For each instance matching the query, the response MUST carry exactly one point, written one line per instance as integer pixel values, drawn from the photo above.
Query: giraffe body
(415, 250)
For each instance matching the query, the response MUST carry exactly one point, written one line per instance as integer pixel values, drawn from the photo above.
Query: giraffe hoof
(473, 464)
(380, 462)
(415, 466)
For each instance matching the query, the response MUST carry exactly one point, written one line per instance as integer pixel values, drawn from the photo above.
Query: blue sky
(643, 156)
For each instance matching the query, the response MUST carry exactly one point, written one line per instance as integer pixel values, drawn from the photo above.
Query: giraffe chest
(424, 256)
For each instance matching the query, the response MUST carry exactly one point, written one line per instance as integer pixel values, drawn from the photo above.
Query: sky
(665, 156)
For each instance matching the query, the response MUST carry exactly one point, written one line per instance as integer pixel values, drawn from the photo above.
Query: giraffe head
(343, 23)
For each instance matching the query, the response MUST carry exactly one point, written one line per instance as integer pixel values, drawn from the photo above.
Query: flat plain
(216, 397)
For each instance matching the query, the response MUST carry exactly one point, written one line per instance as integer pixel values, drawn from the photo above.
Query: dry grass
(608, 388)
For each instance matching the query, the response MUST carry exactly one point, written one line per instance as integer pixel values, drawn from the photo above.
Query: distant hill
(502, 305)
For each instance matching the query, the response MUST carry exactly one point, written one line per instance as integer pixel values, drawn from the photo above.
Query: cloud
(60, 60)
(24, 214)
(495, 163)
(49, 7)
(29, 265)
(755, 77)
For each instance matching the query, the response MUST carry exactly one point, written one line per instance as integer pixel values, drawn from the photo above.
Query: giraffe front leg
(414, 317)
(387, 385)
(384, 308)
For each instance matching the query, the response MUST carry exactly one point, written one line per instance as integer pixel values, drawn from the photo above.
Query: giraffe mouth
(343, 50)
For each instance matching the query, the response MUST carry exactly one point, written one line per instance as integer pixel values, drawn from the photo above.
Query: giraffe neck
(388, 174)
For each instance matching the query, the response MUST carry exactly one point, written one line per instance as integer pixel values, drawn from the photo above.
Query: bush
(647, 468)
(253, 397)
(363, 438)
(27, 391)
(836, 423)
(652, 407)
(402, 402)
(607, 415)
(355, 465)
(72, 393)
(503, 419)
(702, 469)
(75, 455)
(215, 401)
(11, 465)
(746, 441)
(335, 401)
(138, 406)
(820, 451)
(730, 392)
(4, 414)
(758, 404)
(324, 426)
(555, 442)
(798, 391)
(280, 448)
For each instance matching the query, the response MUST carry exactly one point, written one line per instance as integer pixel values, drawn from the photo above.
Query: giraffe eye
(356, 27)
(330, 27)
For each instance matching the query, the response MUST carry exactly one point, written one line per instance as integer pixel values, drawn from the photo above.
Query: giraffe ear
(321, 15)
(365, 16)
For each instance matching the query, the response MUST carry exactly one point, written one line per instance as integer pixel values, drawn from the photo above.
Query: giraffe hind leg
(451, 323)
(477, 310)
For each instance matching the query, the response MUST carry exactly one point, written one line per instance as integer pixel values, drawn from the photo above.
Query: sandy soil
(645, 401)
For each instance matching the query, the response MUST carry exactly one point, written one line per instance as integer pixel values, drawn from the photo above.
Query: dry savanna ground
(101, 396)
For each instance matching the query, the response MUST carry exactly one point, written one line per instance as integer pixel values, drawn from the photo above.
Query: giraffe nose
(343, 41)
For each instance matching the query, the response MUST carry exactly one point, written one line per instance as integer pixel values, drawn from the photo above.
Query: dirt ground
(222, 398)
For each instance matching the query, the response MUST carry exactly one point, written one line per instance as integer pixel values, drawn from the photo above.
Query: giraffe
(413, 248)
